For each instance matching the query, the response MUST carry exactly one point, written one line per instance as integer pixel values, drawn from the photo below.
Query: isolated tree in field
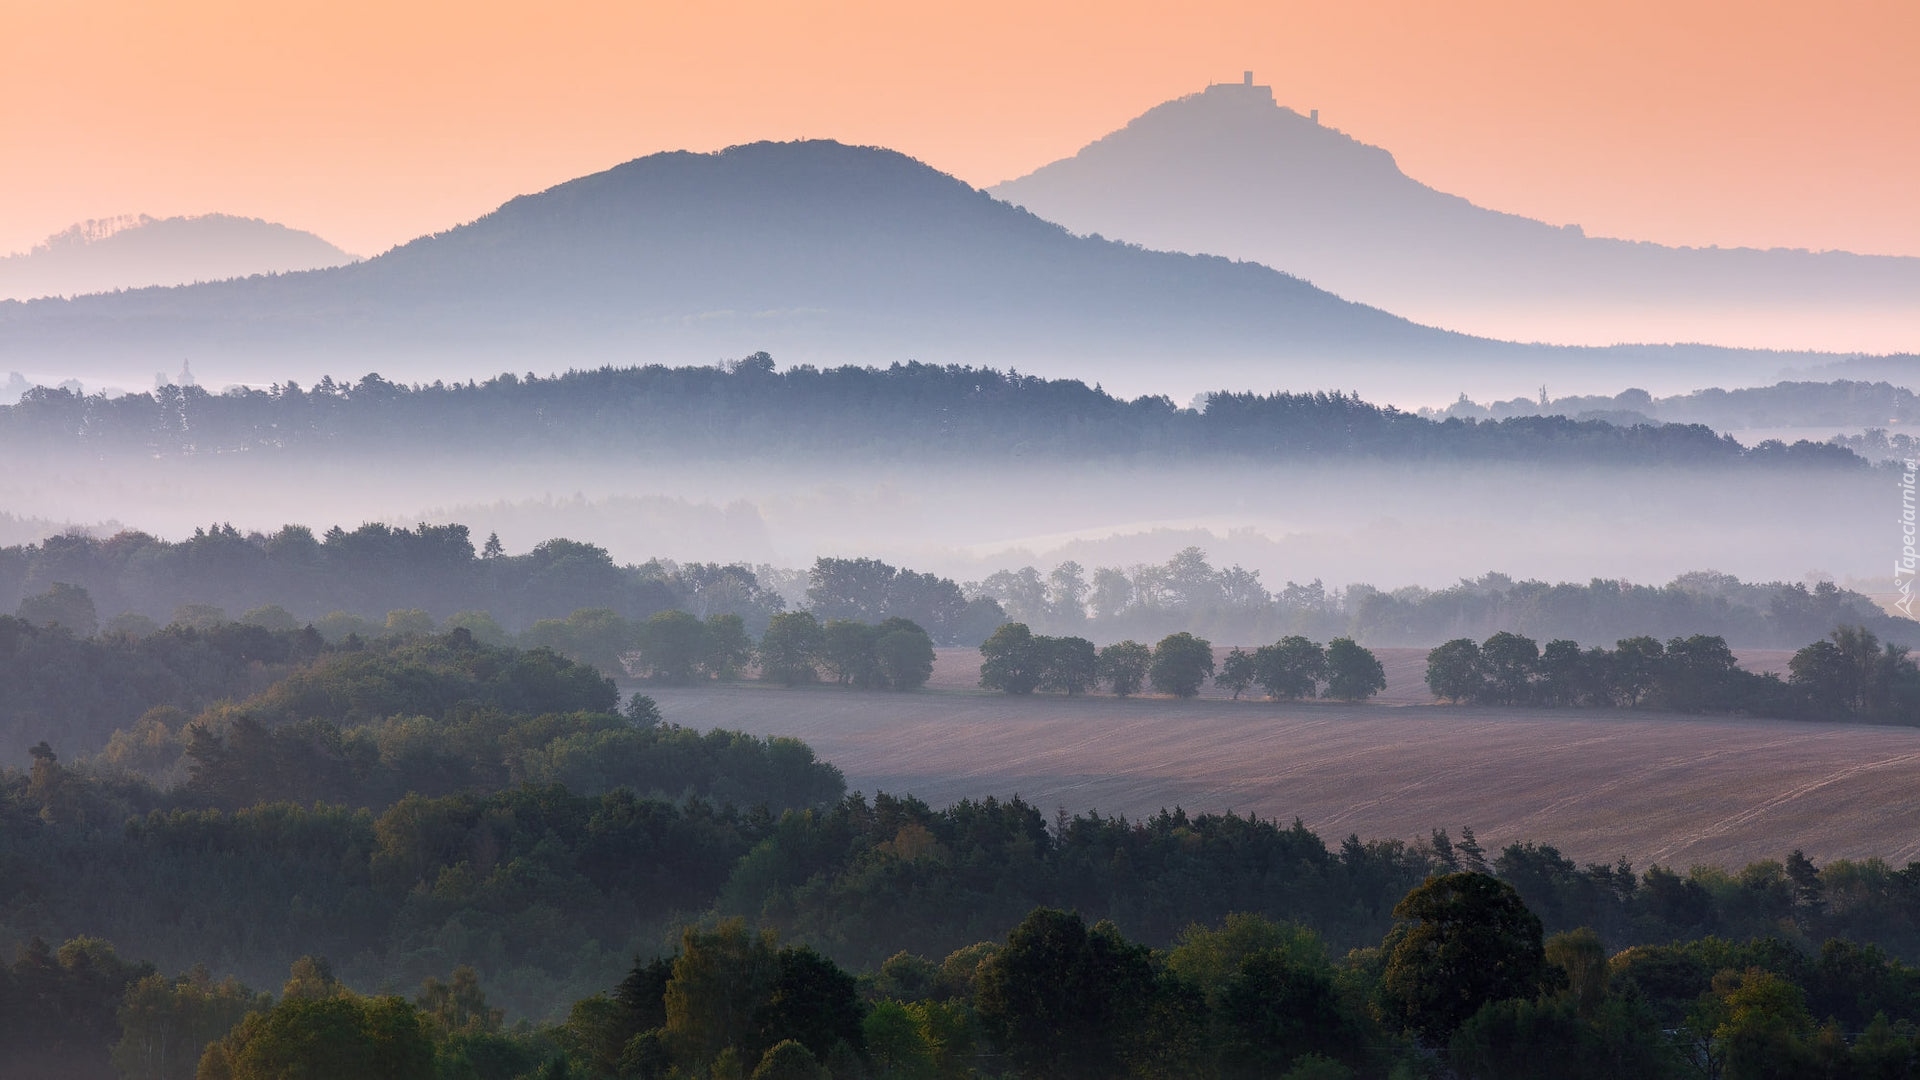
(1181, 664)
(1124, 666)
(672, 644)
(1069, 664)
(1290, 668)
(1237, 672)
(69, 607)
(903, 654)
(1464, 939)
(790, 648)
(1509, 662)
(1353, 672)
(1011, 660)
(1453, 670)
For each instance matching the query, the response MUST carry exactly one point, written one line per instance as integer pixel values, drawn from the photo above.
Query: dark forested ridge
(749, 410)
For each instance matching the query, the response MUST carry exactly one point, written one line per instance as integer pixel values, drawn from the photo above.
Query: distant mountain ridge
(137, 251)
(816, 252)
(1228, 172)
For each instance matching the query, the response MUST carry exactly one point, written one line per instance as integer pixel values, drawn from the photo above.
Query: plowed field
(1651, 787)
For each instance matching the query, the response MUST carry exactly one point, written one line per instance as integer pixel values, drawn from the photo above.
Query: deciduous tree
(1181, 664)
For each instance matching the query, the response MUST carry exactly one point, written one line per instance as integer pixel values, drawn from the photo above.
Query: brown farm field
(1650, 787)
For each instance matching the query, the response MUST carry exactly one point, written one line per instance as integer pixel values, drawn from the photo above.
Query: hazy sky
(1683, 121)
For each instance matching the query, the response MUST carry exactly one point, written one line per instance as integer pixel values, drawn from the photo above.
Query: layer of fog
(1379, 523)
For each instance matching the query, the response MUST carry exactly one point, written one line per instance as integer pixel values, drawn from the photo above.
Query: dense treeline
(1468, 978)
(376, 578)
(1847, 675)
(538, 885)
(748, 408)
(1017, 661)
(365, 725)
(1837, 405)
(1187, 592)
(368, 571)
(76, 694)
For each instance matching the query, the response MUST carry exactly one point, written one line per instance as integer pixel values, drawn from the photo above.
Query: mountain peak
(1229, 171)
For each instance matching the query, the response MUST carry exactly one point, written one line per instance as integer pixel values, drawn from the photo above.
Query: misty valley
(1213, 607)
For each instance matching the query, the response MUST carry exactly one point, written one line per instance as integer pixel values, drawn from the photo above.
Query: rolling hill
(817, 252)
(1229, 172)
(134, 252)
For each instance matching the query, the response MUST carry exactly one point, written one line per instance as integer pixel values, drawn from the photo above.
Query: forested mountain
(960, 415)
(815, 250)
(1229, 172)
(135, 252)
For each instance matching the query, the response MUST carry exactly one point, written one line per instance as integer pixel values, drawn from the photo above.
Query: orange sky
(1792, 124)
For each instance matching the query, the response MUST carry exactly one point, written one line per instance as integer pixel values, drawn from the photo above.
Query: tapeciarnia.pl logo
(1903, 569)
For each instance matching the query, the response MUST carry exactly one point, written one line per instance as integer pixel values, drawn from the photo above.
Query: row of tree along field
(1018, 661)
(75, 693)
(351, 582)
(915, 410)
(1848, 675)
(1466, 983)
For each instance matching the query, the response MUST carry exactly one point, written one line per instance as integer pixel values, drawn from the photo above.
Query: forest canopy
(747, 409)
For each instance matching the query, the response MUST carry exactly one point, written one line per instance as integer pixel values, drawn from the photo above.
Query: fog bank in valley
(1377, 522)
